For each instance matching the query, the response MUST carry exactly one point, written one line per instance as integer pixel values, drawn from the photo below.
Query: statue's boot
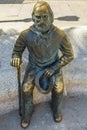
(56, 106)
(27, 110)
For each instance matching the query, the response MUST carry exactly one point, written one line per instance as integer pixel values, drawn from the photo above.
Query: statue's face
(42, 19)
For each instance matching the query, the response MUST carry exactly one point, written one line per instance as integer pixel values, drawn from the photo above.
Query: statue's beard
(43, 28)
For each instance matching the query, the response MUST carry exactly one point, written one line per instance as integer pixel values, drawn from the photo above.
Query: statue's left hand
(48, 72)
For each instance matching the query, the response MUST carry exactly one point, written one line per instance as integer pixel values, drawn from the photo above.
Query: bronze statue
(43, 41)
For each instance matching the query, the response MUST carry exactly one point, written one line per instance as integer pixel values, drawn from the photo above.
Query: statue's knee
(27, 87)
(59, 88)
(59, 84)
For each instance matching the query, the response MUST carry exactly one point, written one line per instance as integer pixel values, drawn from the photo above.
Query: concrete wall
(75, 74)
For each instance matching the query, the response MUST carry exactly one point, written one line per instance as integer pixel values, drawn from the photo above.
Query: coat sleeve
(19, 46)
(67, 53)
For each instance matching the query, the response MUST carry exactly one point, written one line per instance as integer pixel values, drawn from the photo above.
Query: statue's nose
(41, 21)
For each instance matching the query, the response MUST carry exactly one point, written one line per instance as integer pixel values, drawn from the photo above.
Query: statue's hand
(15, 62)
(48, 72)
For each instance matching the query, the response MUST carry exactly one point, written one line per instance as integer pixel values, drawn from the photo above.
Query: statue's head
(42, 16)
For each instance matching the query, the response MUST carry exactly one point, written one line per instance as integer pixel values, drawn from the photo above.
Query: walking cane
(19, 89)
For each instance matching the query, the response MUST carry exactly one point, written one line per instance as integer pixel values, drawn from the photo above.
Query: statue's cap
(44, 84)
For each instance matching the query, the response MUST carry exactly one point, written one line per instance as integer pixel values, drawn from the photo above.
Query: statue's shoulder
(26, 33)
(59, 31)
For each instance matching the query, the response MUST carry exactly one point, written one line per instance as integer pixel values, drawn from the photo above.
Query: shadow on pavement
(65, 18)
(68, 18)
(19, 20)
(11, 1)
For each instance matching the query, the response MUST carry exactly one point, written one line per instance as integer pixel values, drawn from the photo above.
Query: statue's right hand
(15, 62)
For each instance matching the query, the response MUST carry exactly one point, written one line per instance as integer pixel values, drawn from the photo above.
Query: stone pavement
(70, 16)
(74, 117)
(67, 13)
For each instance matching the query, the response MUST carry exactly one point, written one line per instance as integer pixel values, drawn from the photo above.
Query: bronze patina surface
(43, 41)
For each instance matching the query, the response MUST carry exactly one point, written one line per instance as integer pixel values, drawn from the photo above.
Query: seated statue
(44, 41)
